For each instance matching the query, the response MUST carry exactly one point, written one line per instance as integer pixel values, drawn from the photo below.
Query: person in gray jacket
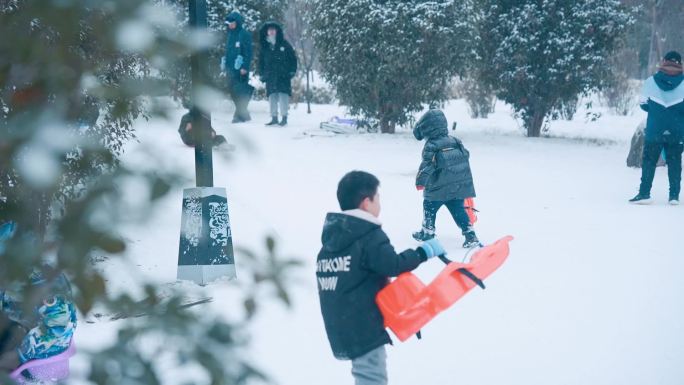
(444, 177)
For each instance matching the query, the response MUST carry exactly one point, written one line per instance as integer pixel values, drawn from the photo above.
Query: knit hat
(673, 56)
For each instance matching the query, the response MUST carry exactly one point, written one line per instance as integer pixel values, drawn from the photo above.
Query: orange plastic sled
(469, 205)
(407, 304)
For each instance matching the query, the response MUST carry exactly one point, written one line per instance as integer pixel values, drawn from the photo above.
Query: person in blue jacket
(662, 98)
(235, 65)
(45, 331)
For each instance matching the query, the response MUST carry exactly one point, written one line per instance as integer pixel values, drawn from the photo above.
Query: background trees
(387, 58)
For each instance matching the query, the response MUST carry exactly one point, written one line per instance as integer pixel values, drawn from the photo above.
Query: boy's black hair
(355, 187)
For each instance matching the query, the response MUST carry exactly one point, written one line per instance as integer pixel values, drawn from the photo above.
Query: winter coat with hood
(50, 325)
(445, 170)
(238, 43)
(277, 61)
(662, 97)
(353, 266)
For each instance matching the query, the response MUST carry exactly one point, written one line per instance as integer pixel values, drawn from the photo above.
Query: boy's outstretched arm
(381, 257)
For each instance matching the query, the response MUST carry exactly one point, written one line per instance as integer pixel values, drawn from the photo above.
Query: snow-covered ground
(591, 293)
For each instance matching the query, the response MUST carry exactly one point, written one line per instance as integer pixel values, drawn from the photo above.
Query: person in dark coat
(353, 265)
(277, 67)
(444, 176)
(188, 136)
(236, 64)
(662, 98)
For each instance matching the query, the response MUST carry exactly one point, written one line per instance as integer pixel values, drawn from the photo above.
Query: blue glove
(239, 60)
(432, 248)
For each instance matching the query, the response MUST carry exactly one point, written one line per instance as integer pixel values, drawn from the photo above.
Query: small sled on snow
(47, 370)
(339, 125)
(407, 304)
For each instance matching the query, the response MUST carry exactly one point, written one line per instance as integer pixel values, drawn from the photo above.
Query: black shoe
(273, 122)
(241, 119)
(219, 140)
(641, 200)
(283, 122)
(423, 235)
(471, 240)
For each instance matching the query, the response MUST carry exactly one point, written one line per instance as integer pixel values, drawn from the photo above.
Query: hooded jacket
(352, 267)
(662, 97)
(50, 325)
(238, 43)
(277, 62)
(445, 168)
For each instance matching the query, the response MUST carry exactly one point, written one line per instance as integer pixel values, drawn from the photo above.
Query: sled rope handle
(472, 277)
(463, 271)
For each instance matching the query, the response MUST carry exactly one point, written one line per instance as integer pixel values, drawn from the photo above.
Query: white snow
(591, 293)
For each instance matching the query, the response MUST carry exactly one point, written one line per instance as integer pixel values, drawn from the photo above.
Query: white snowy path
(591, 293)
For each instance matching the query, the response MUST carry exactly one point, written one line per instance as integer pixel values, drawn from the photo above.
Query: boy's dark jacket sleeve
(427, 165)
(381, 258)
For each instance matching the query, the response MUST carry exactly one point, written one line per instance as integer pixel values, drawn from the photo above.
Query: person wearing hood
(235, 65)
(662, 97)
(353, 265)
(190, 137)
(45, 331)
(277, 67)
(444, 176)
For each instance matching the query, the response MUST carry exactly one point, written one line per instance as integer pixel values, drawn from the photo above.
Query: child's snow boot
(283, 121)
(423, 235)
(273, 122)
(471, 240)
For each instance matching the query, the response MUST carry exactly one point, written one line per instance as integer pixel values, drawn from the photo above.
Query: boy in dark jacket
(663, 98)
(444, 176)
(354, 264)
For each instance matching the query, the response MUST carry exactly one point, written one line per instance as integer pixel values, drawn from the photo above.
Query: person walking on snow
(354, 264)
(235, 65)
(662, 98)
(444, 177)
(277, 67)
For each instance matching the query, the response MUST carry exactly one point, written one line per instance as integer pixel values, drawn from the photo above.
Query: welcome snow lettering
(332, 265)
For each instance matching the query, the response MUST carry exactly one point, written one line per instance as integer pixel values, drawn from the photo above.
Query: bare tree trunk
(387, 127)
(308, 91)
(534, 124)
(655, 49)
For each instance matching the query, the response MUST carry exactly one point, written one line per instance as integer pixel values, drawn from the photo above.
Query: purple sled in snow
(52, 369)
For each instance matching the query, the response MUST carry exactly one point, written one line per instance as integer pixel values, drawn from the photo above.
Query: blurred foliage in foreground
(74, 77)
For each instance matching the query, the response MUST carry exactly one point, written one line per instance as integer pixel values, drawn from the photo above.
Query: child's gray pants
(371, 368)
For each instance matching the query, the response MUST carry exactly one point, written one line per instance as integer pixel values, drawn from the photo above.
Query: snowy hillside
(591, 293)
